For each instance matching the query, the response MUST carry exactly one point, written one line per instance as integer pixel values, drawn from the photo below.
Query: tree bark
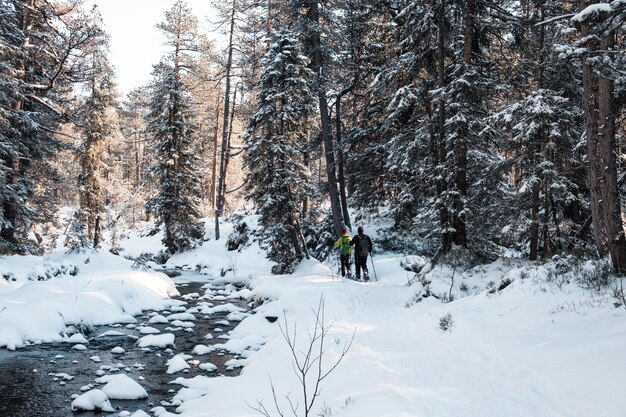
(460, 147)
(534, 221)
(602, 169)
(340, 165)
(444, 216)
(315, 44)
(212, 192)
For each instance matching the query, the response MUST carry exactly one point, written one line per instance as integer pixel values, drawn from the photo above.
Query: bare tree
(225, 151)
(308, 365)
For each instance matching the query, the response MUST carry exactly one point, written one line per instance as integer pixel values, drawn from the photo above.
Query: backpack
(345, 245)
(363, 245)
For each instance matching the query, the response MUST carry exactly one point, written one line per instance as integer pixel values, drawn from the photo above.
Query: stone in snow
(77, 338)
(157, 340)
(148, 330)
(122, 387)
(92, 400)
(182, 317)
(184, 324)
(118, 350)
(79, 347)
(209, 367)
(176, 364)
(202, 350)
(158, 319)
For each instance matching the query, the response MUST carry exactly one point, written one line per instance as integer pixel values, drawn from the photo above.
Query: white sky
(136, 44)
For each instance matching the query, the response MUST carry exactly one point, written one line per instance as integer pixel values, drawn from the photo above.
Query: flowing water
(33, 381)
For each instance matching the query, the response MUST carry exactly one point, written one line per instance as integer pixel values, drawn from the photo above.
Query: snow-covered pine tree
(172, 133)
(541, 124)
(278, 181)
(41, 49)
(100, 124)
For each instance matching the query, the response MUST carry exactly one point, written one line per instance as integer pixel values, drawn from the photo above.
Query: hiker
(343, 243)
(362, 246)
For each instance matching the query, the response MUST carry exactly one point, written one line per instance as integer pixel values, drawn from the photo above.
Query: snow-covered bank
(47, 299)
(531, 349)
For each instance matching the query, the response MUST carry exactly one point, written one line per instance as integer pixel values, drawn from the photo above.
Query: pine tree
(100, 125)
(41, 50)
(169, 122)
(278, 180)
(542, 124)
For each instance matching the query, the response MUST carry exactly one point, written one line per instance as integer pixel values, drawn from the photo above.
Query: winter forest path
(504, 355)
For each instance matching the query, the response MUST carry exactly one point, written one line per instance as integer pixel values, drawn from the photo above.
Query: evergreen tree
(41, 49)
(278, 180)
(542, 124)
(100, 125)
(169, 122)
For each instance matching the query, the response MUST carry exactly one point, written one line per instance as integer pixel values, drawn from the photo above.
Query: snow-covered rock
(121, 387)
(92, 400)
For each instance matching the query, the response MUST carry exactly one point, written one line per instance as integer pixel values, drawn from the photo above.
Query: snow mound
(93, 400)
(122, 387)
(177, 364)
(159, 340)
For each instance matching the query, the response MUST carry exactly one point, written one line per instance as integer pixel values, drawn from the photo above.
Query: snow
(591, 11)
(92, 400)
(177, 364)
(102, 292)
(159, 340)
(121, 387)
(541, 346)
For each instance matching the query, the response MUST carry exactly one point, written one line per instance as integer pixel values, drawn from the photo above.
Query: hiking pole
(373, 267)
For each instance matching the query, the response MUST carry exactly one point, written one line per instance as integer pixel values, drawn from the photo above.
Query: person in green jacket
(343, 243)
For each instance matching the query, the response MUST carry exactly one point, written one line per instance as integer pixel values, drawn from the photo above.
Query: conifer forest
(491, 126)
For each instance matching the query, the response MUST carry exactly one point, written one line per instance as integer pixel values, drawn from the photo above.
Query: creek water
(34, 381)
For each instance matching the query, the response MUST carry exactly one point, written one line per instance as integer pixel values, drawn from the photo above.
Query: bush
(239, 238)
(446, 322)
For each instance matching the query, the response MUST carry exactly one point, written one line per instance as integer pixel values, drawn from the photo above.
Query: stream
(39, 380)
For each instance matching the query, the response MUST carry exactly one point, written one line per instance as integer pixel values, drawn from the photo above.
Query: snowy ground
(534, 348)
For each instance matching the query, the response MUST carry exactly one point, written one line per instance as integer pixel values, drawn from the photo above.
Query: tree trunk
(534, 221)
(460, 147)
(340, 166)
(219, 205)
(96, 232)
(602, 168)
(214, 163)
(315, 42)
(444, 217)
(228, 144)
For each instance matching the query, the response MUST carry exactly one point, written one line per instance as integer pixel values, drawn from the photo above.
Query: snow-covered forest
(492, 126)
(479, 143)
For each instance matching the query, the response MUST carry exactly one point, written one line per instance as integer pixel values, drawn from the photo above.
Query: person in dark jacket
(362, 247)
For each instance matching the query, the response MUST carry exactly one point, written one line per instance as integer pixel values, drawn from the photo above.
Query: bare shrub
(309, 366)
(446, 322)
